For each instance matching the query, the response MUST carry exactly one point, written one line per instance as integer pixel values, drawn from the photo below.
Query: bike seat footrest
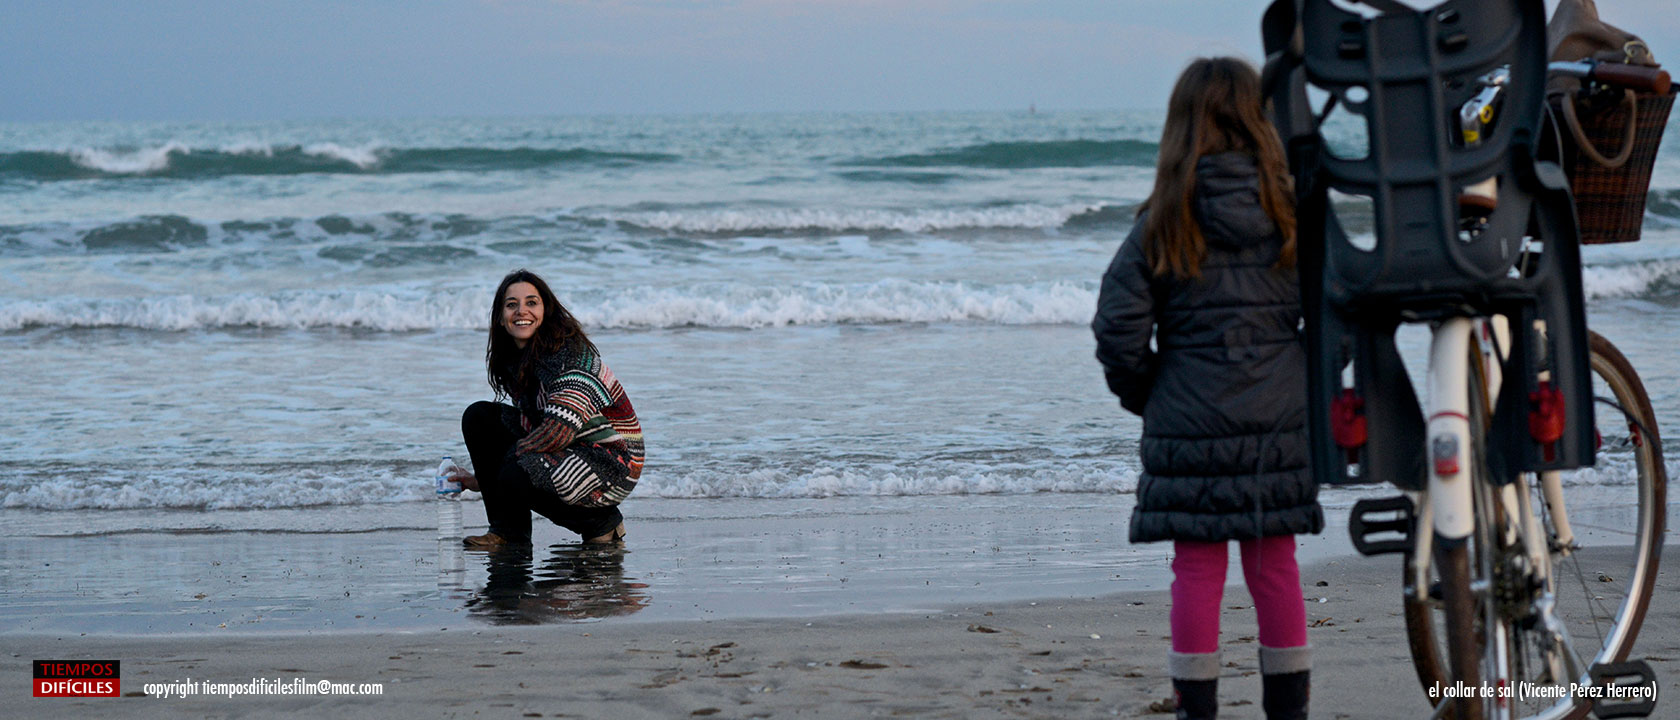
(1374, 517)
(1629, 689)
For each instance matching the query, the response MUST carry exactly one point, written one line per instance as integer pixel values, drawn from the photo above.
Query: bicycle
(1485, 517)
(1522, 564)
(1523, 538)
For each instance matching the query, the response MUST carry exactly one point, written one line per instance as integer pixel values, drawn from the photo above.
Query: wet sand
(1083, 657)
(685, 560)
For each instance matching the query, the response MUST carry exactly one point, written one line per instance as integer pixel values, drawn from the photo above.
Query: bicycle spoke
(1604, 528)
(1587, 595)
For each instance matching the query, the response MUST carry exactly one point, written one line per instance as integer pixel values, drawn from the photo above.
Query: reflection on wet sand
(573, 583)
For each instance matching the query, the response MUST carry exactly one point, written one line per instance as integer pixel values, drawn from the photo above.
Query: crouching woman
(569, 447)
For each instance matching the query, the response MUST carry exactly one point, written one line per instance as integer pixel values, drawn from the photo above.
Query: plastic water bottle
(451, 562)
(448, 501)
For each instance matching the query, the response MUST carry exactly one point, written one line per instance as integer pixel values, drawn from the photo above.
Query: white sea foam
(910, 221)
(732, 306)
(718, 305)
(363, 157)
(363, 309)
(218, 489)
(249, 147)
(1626, 279)
(227, 488)
(887, 301)
(1613, 468)
(848, 481)
(137, 162)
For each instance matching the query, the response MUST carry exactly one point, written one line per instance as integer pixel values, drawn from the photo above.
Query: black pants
(510, 494)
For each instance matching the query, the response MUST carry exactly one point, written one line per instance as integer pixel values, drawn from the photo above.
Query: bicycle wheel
(1447, 620)
(1550, 625)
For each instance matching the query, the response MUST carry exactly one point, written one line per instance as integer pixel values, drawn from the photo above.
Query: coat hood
(1227, 201)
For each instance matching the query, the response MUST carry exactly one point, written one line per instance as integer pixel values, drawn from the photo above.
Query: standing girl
(1209, 270)
(570, 447)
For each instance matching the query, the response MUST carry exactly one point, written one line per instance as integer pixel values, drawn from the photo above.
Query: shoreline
(958, 607)
(1090, 656)
(684, 561)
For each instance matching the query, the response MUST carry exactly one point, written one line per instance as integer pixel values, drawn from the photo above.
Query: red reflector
(1444, 451)
(1347, 423)
(1545, 415)
(1347, 419)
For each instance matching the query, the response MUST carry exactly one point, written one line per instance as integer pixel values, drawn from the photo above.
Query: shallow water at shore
(684, 560)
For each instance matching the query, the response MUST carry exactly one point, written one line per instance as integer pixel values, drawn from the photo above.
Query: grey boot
(1195, 679)
(1285, 682)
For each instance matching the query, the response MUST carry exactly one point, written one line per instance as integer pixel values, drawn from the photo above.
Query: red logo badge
(78, 678)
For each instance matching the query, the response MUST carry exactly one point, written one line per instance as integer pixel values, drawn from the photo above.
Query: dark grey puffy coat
(1223, 394)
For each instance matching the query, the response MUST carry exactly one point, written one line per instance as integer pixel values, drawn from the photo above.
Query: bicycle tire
(1652, 481)
(1452, 655)
(1460, 607)
(1614, 374)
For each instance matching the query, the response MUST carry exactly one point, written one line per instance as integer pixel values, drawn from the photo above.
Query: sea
(212, 328)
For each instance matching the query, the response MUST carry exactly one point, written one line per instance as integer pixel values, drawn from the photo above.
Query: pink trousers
(1198, 589)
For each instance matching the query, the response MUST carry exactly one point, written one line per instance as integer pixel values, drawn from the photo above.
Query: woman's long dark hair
(512, 369)
(1215, 107)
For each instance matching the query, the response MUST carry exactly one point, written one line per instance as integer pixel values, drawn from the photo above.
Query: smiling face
(522, 312)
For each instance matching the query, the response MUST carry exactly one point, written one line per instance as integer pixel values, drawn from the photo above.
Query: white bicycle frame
(1446, 505)
(1447, 508)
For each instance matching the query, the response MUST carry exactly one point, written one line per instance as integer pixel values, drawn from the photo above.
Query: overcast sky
(271, 59)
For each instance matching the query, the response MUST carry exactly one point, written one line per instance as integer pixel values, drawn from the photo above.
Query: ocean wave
(717, 306)
(279, 486)
(740, 305)
(890, 481)
(165, 233)
(883, 302)
(176, 160)
(149, 234)
(735, 306)
(1635, 279)
(200, 487)
(775, 221)
(159, 233)
(152, 233)
(287, 486)
(912, 177)
(162, 233)
(386, 311)
(370, 235)
(1027, 155)
(1103, 216)
(1662, 208)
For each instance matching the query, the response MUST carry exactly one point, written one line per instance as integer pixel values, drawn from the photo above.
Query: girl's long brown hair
(1215, 107)
(512, 369)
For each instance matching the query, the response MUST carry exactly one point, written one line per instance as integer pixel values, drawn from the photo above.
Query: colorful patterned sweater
(588, 443)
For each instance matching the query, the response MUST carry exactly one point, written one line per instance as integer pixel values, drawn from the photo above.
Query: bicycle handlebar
(1626, 75)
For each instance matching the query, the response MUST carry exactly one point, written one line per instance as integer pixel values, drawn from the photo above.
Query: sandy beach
(1076, 655)
(1085, 657)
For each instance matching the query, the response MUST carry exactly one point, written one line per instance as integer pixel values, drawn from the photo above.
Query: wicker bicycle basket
(1610, 201)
